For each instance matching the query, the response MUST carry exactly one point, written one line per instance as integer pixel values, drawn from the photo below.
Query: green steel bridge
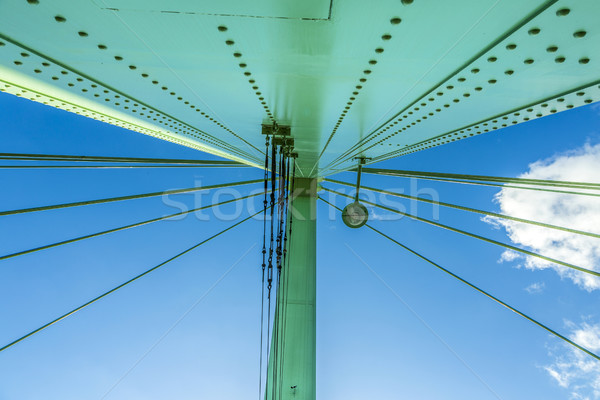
(304, 90)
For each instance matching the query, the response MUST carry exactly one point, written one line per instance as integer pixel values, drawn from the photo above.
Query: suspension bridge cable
(284, 273)
(521, 181)
(73, 311)
(524, 185)
(271, 242)
(474, 210)
(120, 166)
(49, 157)
(282, 168)
(264, 265)
(490, 296)
(130, 197)
(134, 225)
(423, 322)
(272, 179)
(278, 242)
(177, 322)
(508, 246)
(503, 186)
(285, 277)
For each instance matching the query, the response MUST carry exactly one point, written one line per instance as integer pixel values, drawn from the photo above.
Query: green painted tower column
(292, 362)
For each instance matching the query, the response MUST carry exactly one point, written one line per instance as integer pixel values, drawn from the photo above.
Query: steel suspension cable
(285, 212)
(508, 246)
(474, 210)
(135, 278)
(119, 166)
(280, 175)
(279, 238)
(273, 207)
(121, 198)
(264, 265)
(280, 209)
(176, 323)
(280, 308)
(538, 189)
(467, 177)
(490, 296)
(271, 243)
(71, 158)
(134, 225)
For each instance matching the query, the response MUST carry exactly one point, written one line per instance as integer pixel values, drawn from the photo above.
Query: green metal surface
(128, 160)
(307, 9)
(350, 78)
(291, 371)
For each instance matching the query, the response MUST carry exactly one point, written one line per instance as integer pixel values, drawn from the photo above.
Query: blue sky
(369, 344)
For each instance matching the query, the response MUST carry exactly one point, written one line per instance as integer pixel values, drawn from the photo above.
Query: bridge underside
(349, 78)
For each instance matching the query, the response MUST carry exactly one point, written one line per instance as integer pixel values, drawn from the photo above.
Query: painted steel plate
(352, 78)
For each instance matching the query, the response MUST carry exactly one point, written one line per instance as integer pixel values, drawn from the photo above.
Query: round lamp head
(355, 215)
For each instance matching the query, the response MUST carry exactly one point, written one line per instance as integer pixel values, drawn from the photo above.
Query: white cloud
(375, 215)
(588, 337)
(535, 288)
(509, 255)
(572, 211)
(575, 370)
